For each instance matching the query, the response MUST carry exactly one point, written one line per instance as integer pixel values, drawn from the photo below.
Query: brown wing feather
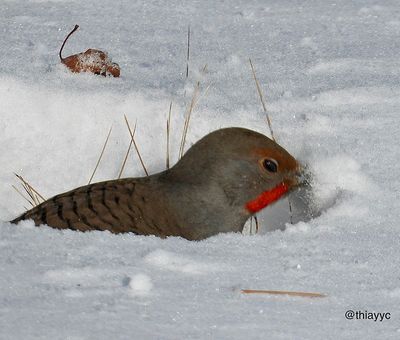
(99, 206)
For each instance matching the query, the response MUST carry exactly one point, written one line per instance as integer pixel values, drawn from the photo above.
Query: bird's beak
(298, 177)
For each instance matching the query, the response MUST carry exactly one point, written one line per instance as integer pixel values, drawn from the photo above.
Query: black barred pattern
(103, 202)
(114, 206)
(59, 206)
(43, 215)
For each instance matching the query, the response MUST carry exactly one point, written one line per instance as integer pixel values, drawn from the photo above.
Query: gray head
(222, 173)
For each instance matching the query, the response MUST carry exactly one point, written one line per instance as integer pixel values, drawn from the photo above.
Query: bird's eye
(270, 165)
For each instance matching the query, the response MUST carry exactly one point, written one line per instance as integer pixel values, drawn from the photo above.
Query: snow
(330, 74)
(140, 284)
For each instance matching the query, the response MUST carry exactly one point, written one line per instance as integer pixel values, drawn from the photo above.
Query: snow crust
(330, 74)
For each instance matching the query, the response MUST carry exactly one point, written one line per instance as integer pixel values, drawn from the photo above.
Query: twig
(262, 100)
(101, 155)
(188, 53)
(127, 153)
(65, 40)
(195, 100)
(187, 119)
(168, 134)
(282, 292)
(136, 147)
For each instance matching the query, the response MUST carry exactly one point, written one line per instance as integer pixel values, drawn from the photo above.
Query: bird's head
(250, 169)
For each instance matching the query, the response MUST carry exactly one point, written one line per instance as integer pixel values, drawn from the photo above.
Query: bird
(220, 182)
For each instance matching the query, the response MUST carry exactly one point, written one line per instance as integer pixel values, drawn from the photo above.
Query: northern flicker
(220, 182)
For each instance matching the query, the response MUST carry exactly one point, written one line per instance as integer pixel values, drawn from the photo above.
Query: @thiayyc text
(366, 315)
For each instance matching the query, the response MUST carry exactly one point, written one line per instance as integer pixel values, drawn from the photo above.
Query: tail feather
(99, 206)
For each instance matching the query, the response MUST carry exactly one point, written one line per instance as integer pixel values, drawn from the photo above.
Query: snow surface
(330, 72)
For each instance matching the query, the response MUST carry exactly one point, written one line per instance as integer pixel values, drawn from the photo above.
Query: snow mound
(175, 262)
(140, 285)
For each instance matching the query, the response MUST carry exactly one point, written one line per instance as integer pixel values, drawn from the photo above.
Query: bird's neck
(202, 207)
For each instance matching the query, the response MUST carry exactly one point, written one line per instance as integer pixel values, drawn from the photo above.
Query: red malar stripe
(266, 198)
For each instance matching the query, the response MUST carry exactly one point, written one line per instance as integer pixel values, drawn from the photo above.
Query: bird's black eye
(270, 165)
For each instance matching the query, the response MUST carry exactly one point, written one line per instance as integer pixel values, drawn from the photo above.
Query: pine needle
(30, 187)
(30, 194)
(282, 292)
(195, 100)
(127, 153)
(136, 147)
(101, 155)
(262, 100)
(187, 119)
(188, 53)
(23, 196)
(34, 197)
